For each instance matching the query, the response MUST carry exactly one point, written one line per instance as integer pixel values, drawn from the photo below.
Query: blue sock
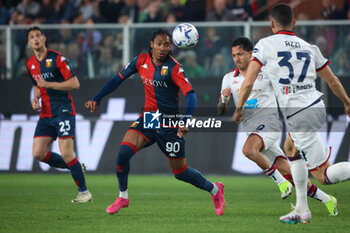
(193, 177)
(54, 160)
(77, 174)
(126, 151)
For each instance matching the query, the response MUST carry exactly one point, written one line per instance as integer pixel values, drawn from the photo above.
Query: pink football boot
(117, 205)
(219, 199)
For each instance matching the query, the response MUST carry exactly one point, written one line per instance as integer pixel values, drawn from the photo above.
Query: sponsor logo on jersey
(48, 63)
(151, 120)
(33, 67)
(45, 76)
(155, 83)
(180, 70)
(255, 50)
(295, 88)
(164, 70)
(144, 66)
(253, 103)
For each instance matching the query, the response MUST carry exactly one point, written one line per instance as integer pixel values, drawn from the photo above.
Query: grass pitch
(41, 203)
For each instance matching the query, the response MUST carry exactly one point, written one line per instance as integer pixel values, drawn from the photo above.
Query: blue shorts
(168, 141)
(62, 126)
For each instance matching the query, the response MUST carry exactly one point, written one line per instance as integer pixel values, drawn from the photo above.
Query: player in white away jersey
(292, 65)
(261, 123)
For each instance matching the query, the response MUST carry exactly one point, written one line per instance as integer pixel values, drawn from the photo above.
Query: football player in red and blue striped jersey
(163, 78)
(53, 79)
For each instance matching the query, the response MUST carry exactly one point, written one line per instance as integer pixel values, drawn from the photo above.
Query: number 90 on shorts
(170, 144)
(173, 149)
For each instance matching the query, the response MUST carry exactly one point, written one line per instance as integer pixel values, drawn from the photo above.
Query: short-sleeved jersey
(162, 83)
(261, 99)
(291, 64)
(53, 68)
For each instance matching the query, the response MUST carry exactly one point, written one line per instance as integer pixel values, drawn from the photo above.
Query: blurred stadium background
(100, 36)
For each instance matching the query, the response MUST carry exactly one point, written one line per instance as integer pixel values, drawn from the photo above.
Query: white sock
(338, 172)
(318, 194)
(215, 190)
(275, 175)
(299, 173)
(124, 194)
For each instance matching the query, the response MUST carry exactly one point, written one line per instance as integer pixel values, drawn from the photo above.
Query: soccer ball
(185, 35)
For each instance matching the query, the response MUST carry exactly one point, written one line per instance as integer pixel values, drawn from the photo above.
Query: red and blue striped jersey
(52, 68)
(162, 83)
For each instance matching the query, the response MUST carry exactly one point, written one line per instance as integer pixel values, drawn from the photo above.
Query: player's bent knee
(179, 173)
(39, 155)
(67, 157)
(284, 171)
(250, 153)
(283, 166)
(320, 178)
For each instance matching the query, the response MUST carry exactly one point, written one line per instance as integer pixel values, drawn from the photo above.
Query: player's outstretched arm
(68, 85)
(224, 101)
(110, 86)
(247, 85)
(337, 88)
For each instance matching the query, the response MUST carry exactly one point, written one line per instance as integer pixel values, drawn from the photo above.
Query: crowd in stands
(142, 11)
(119, 11)
(98, 53)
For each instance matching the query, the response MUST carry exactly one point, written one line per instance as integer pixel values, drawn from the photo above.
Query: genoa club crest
(48, 63)
(135, 124)
(164, 70)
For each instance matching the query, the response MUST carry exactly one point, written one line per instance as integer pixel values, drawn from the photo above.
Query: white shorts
(273, 152)
(316, 154)
(268, 128)
(305, 124)
(303, 128)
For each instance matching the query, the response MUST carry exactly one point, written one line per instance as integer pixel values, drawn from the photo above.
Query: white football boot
(296, 217)
(83, 197)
